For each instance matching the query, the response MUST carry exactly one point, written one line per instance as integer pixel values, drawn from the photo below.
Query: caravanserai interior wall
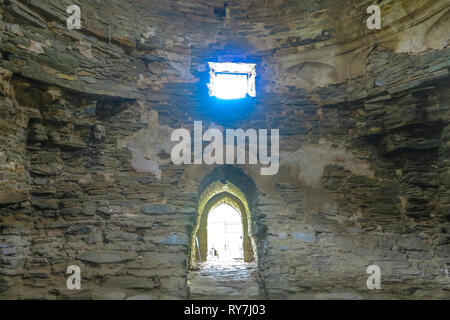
(86, 115)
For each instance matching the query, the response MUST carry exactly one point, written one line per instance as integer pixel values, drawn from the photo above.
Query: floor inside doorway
(224, 280)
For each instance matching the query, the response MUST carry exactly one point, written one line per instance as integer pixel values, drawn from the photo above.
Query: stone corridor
(224, 280)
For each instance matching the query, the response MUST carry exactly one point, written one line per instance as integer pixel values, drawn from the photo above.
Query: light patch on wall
(141, 164)
(311, 161)
(147, 145)
(230, 81)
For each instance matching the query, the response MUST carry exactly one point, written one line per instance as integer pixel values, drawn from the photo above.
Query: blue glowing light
(230, 86)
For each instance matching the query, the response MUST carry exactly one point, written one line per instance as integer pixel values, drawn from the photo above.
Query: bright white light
(232, 80)
(230, 86)
(225, 233)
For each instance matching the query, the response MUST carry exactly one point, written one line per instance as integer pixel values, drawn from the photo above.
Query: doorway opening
(223, 255)
(223, 221)
(225, 234)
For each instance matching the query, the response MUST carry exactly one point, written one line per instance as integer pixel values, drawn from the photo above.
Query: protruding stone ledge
(158, 209)
(104, 257)
(13, 196)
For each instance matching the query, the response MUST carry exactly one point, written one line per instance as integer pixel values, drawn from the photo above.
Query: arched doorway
(215, 195)
(225, 223)
(225, 234)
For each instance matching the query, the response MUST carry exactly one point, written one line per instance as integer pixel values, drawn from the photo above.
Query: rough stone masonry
(86, 116)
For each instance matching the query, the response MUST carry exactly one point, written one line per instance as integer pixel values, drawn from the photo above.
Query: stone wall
(86, 118)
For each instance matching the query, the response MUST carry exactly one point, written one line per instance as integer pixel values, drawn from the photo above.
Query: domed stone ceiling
(86, 118)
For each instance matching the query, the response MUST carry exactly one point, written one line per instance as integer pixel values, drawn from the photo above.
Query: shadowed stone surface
(228, 280)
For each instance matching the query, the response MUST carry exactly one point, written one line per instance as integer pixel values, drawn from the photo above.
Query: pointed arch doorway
(225, 234)
(230, 204)
(224, 222)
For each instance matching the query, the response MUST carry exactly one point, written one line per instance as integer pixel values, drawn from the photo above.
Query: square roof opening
(230, 81)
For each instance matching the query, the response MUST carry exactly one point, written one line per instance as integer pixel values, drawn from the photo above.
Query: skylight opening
(230, 81)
